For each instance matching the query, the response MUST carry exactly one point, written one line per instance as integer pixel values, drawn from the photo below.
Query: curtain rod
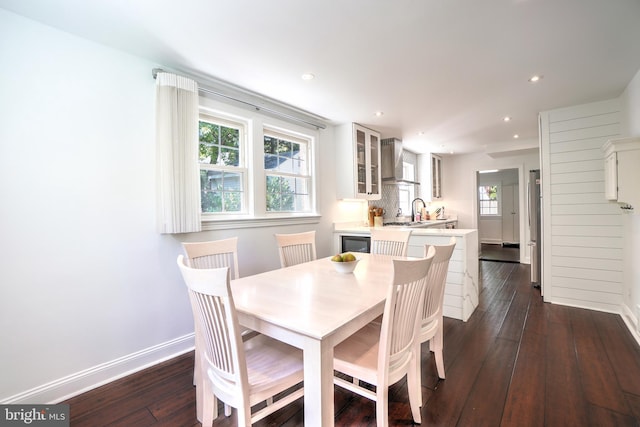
(205, 89)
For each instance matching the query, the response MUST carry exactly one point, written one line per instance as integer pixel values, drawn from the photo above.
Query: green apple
(336, 258)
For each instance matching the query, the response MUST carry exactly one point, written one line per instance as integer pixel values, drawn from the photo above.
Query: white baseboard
(64, 388)
(491, 241)
(632, 321)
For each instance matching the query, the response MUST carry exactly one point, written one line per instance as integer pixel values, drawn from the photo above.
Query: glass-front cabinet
(358, 162)
(436, 177)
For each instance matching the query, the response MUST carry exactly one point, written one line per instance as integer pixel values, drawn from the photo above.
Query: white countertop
(352, 228)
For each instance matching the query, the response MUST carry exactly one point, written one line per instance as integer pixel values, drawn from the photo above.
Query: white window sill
(226, 224)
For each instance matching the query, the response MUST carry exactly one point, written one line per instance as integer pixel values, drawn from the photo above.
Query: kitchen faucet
(413, 207)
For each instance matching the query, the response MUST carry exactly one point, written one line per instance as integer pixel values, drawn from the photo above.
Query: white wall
(630, 103)
(583, 234)
(459, 181)
(88, 289)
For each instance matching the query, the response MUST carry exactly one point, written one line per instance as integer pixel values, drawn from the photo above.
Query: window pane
(211, 201)
(270, 162)
(270, 145)
(229, 157)
(285, 156)
(221, 191)
(287, 165)
(288, 194)
(488, 199)
(302, 186)
(230, 137)
(232, 202)
(219, 145)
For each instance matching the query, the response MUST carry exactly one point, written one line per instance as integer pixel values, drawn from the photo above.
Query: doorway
(498, 214)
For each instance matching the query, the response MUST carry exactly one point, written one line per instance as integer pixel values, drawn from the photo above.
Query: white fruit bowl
(345, 267)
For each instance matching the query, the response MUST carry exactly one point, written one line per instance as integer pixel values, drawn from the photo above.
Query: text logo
(34, 415)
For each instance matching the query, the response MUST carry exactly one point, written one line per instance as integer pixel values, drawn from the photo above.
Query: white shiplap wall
(583, 233)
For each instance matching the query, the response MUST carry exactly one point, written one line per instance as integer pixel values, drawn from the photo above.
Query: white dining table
(313, 307)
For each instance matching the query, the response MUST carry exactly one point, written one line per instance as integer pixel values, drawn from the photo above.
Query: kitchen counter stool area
(462, 288)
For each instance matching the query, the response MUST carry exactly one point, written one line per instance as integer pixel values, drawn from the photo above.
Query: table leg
(318, 383)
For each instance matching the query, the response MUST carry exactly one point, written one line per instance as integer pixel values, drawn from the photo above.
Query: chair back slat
(214, 254)
(390, 242)
(296, 248)
(211, 316)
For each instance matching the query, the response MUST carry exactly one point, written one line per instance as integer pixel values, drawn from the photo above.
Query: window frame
(255, 214)
(218, 118)
(303, 140)
(498, 200)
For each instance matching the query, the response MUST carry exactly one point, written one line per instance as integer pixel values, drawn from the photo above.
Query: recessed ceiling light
(516, 136)
(507, 119)
(379, 113)
(308, 76)
(535, 78)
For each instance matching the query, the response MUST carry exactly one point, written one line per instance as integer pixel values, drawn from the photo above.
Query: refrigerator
(535, 227)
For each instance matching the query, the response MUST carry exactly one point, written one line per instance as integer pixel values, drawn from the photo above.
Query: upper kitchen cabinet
(430, 169)
(358, 162)
(436, 177)
(621, 172)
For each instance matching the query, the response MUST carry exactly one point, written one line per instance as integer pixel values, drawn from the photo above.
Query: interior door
(510, 214)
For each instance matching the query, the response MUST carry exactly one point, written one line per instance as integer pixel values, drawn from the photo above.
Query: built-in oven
(355, 244)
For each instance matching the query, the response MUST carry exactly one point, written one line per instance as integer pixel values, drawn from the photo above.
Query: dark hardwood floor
(502, 253)
(516, 362)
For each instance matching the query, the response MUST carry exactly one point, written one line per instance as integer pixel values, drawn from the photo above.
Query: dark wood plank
(599, 382)
(492, 380)
(565, 404)
(622, 351)
(527, 388)
(606, 417)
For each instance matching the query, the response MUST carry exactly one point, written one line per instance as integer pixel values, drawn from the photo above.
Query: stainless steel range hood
(392, 167)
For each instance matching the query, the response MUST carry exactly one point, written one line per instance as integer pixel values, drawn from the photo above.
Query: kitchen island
(462, 288)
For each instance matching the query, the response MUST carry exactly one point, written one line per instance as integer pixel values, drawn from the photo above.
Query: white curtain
(178, 176)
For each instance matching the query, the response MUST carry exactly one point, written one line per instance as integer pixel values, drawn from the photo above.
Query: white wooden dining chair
(390, 242)
(212, 254)
(381, 354)
(240, 373)
(431, 325)
(296, 248)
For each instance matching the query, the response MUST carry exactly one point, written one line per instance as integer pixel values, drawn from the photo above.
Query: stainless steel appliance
(392, 167)
(535, 227)
(355, 244)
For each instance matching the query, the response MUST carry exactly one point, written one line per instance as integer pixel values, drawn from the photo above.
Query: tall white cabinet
(358, 162)
(622, 172)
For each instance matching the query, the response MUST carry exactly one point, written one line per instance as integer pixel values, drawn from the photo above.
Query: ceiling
(444, 72)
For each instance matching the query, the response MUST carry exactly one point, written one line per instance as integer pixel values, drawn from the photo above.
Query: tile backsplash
(389, 202)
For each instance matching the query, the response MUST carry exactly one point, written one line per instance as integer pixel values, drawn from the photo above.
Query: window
(254, 170)
(406, 193)
(488, 200)
(223, 174)
(288, 172)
